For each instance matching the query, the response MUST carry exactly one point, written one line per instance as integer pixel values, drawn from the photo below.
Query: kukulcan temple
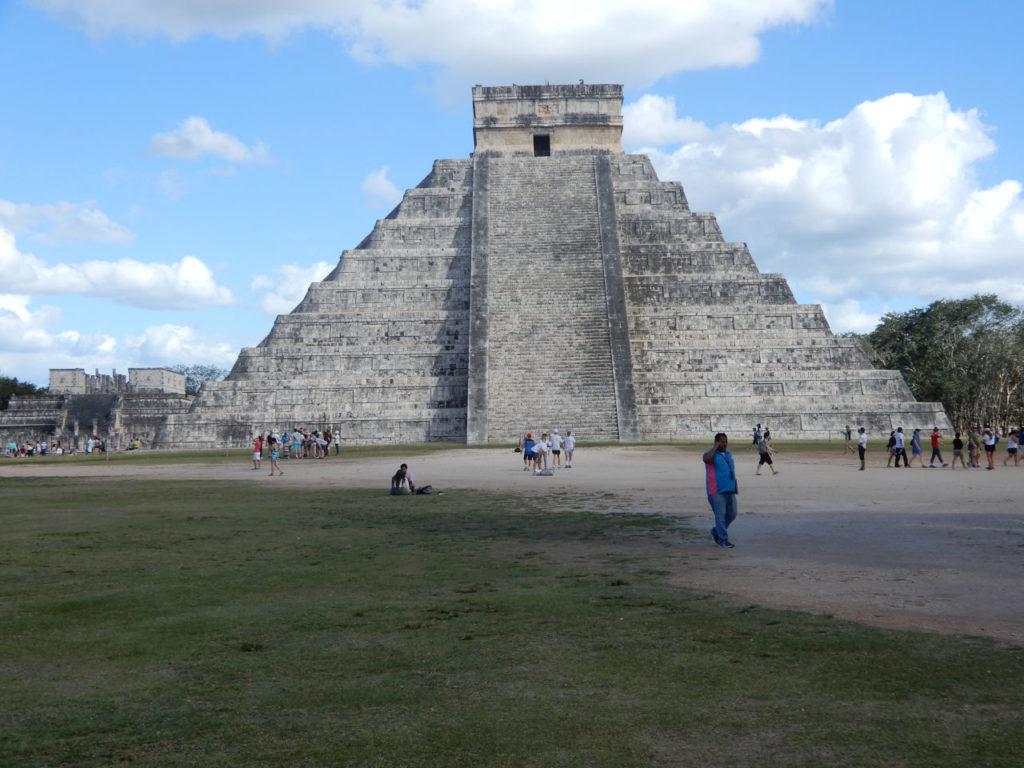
(548, 281)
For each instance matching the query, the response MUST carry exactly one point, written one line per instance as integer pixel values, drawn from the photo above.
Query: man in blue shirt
(722, 488)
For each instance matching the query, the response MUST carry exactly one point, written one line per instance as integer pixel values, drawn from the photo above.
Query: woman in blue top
(722, 488)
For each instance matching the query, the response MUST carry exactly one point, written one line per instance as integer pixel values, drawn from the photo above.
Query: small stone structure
(112, 407)
(549, 280)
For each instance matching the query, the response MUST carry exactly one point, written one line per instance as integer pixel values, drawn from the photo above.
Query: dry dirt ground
(933, 549)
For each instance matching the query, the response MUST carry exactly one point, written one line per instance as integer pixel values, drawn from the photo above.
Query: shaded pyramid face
(550, 281)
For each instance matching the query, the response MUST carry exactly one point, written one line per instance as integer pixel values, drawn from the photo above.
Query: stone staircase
(549, 362)
(379, 346)
(718, 345)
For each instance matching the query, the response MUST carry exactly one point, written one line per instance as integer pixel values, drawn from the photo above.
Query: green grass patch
(225, 624)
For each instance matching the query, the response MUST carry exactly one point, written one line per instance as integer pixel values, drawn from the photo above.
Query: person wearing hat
(528, 455)
(556, 449)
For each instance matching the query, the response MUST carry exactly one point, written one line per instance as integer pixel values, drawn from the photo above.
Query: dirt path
(921, 548)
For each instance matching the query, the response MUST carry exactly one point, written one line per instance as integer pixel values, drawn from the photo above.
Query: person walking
(901, 449)
(936, 453)
(847, 438)
(764, 449)
(915, 449)
(890, 447)
(862, 446)
(722, 488)
(958, 451)
(1012, 442)
(274, 456)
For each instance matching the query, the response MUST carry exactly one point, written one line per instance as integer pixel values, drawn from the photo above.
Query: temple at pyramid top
(545, 119)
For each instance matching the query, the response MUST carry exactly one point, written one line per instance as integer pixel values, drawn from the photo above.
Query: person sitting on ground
(400, 480)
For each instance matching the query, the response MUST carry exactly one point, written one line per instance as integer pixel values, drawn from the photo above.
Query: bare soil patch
(933, 549)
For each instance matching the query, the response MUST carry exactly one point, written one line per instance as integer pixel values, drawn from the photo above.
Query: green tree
(195, 375)
(10, 386)
(963, 353)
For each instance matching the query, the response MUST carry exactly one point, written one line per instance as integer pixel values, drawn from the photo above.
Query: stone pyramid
(549, 281)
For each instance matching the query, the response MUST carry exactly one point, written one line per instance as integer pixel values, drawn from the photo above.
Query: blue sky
(173, 175)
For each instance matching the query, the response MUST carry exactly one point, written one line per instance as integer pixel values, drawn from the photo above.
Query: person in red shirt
(257, 452)
(936, 453)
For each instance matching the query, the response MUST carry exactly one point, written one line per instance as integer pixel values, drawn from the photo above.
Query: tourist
(556, 449)
(274, 456)
(915, 449)
(528, 455)
(570, 446)
(286, 445)
(757, 436)
(862, 445)
(764, 450)
(990, 439)
(257, 452)
(720, 481)
(1012, 441)
(958, 451)
(847, 438)
(974, 447)
(936, 453)
(767, 441)
(540, 453)
(901, 448)
(401, 479)
(890, 447)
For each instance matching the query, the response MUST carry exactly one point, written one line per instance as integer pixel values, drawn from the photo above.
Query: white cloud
(194, 138)
(879, 204)
(170, 344)
(378, 191)
(28, 330)
(70, 222)
(288, 286)
(171, 184)
(186, 284)
(30, 344)
(517, 40)
(652, 120)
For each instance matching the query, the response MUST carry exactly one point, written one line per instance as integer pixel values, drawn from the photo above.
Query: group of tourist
(978, 439)
(297, 444)
(536, 452)
(43, 447)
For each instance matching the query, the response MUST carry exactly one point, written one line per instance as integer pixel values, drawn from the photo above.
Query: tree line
(967, 354)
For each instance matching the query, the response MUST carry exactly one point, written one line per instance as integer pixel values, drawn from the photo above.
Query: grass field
(154, 623)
